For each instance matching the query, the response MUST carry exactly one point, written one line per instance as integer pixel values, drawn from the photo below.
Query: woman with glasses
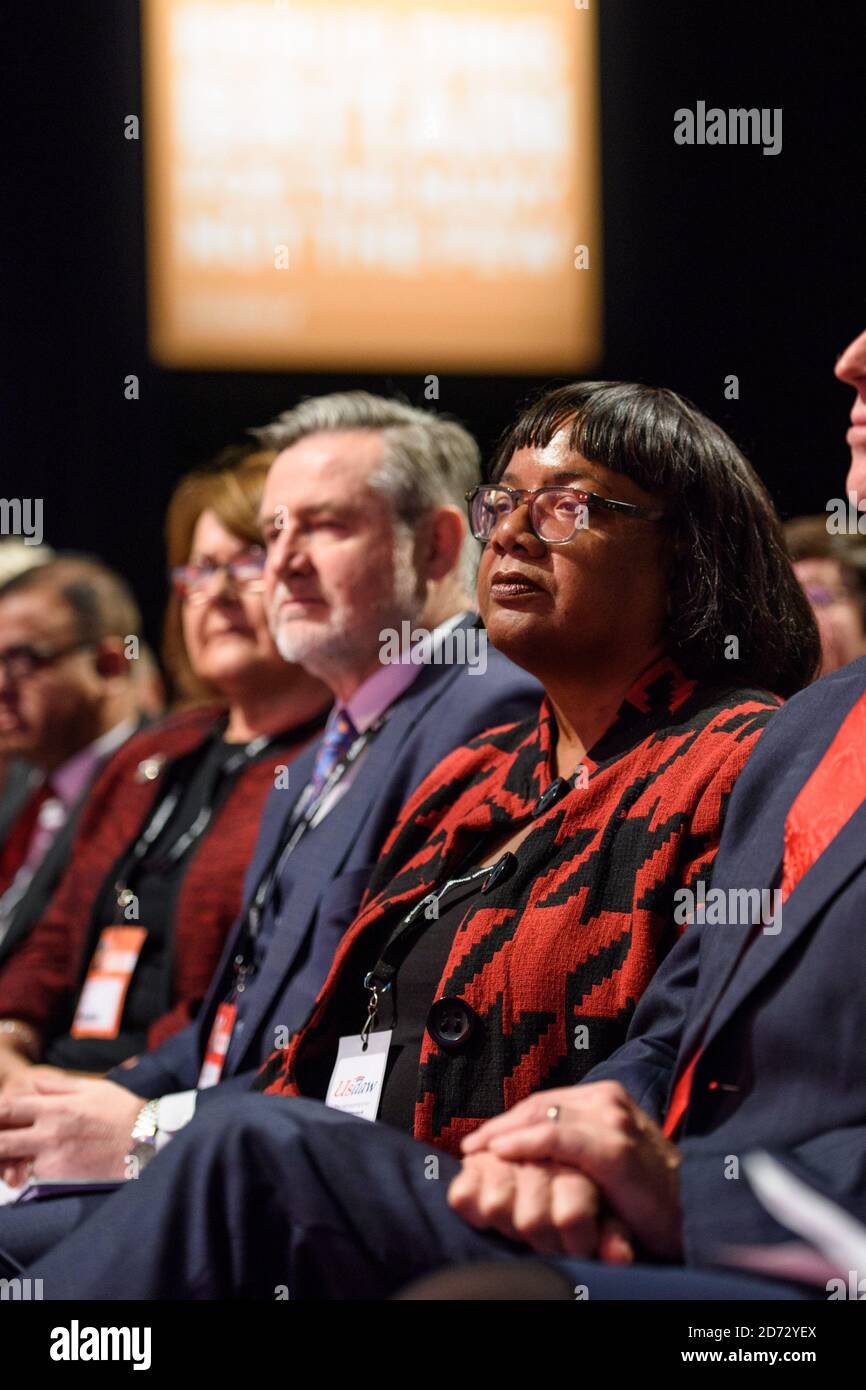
(633, 563)
(127, 947)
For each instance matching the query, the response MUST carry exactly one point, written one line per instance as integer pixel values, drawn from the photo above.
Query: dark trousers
(29, 1231)
(266, 1197)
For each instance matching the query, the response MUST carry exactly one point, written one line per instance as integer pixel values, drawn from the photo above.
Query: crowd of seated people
(401, 554)
(154, 875)
(336, 888)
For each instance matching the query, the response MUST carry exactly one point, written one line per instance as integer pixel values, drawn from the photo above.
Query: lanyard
(379, 980)
(162, 813)
(303, 814)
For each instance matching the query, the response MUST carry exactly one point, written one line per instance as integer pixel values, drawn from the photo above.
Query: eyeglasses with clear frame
(556, 512)
(194, 582)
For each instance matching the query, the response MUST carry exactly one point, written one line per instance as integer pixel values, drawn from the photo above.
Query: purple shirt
(371, 700)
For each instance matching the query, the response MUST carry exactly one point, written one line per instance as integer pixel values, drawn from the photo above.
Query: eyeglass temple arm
(647, 513)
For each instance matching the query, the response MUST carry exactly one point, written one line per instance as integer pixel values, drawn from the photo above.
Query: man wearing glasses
(67, 702)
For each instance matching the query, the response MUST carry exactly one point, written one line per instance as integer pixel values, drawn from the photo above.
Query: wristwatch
(143, 1137)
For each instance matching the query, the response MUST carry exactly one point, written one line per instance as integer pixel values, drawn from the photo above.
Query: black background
(718, 260)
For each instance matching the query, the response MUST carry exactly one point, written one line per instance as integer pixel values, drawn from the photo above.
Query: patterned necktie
(340, 733)
(827, 801)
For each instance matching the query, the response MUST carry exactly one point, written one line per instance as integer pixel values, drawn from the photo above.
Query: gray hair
(427, 461)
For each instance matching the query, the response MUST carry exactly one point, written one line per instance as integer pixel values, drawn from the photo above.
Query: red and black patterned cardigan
(554, 961)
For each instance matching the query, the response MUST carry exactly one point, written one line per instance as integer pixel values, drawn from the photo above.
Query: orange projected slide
(390, 186)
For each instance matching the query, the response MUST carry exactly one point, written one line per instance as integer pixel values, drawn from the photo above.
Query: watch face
(147, 1123)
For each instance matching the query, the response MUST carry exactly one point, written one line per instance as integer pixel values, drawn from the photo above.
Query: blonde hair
(231, 487)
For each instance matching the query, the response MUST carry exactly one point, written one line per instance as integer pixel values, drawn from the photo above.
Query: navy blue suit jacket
(783, 1019)
(324, 879)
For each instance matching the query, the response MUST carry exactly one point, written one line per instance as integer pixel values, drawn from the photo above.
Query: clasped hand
(599, 1180)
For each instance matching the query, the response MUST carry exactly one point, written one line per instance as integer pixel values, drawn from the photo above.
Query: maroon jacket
(38, 982)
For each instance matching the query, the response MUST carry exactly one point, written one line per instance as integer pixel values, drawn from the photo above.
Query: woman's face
(599, 598)
(226, 633)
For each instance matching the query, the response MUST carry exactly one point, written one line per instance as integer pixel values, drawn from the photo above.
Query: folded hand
(604, 1140)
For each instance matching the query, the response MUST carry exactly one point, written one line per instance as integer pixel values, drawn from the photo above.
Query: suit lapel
(755, 859)
(758, 865)
(337, 835)
(21, 784)
(844, 857)
(276, 813)
(41, 887)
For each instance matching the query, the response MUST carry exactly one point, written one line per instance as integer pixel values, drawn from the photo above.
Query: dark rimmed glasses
(556, 512)
(21, 662)
(194, 582)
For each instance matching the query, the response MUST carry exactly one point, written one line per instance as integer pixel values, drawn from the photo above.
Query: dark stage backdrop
(719, 260)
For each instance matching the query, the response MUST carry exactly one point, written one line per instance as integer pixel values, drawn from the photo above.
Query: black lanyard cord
(218, 785)
(378, 980)
(303, 814)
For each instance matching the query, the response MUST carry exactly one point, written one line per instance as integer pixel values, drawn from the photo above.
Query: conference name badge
(100, 1004)
(355, 1086)
(217, 1046)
